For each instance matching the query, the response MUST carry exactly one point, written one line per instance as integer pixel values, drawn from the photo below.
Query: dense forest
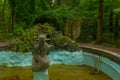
(92, 21)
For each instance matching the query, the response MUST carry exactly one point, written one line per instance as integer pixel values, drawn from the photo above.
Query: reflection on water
(74, 72)
(15, 73)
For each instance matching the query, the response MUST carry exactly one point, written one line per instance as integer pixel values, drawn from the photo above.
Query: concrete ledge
(4, 45)
(102, 52)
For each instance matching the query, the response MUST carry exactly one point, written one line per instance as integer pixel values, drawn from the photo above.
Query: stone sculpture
(40, 51)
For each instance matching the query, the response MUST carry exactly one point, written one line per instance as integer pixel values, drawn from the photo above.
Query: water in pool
(15, 73)
(56, 72)
(75, 72)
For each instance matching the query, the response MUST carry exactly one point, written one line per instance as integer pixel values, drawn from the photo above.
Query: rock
(72, 46)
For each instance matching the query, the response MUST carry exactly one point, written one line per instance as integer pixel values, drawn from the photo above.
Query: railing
(98, 58)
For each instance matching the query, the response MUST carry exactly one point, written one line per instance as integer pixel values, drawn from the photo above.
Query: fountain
(40, 57)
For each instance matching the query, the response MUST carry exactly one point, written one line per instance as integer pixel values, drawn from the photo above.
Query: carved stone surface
(72, 29)
(40, 51)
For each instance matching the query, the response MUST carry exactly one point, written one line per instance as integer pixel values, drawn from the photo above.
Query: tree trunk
(12, 20)
(60, 2)
(12, 4)
(2, 17)
(117, 27)
(100, 20)
(111, 21)
(13, 10)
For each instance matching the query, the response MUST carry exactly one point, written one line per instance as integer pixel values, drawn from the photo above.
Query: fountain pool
(74, 63)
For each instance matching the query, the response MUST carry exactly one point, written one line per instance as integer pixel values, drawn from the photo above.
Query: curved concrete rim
(102, 52)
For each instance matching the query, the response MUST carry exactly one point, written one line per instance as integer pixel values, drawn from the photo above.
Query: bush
(25, 42)
(59, 41)
(19, 29)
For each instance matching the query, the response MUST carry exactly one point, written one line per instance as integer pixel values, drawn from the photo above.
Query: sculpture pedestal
(43, 75)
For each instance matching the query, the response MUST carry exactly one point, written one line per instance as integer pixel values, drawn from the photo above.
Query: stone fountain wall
(72, 29)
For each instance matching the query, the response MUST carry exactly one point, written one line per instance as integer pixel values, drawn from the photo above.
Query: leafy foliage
(21, 15)
(25, 42)
(60, 41)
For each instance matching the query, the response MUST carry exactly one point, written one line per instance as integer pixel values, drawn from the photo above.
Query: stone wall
(72, 29)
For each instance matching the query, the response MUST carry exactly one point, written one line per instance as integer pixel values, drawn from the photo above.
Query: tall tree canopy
(98, 23)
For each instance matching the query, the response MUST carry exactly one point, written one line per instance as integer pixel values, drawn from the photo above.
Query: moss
(75, 72)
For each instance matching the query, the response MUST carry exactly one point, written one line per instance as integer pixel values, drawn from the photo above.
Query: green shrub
(4, 36)
(60, 41)
(19, 29)
(25, 42)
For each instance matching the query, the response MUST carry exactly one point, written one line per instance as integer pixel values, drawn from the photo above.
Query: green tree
(100, 20)
(2, 19)
(13, 10)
